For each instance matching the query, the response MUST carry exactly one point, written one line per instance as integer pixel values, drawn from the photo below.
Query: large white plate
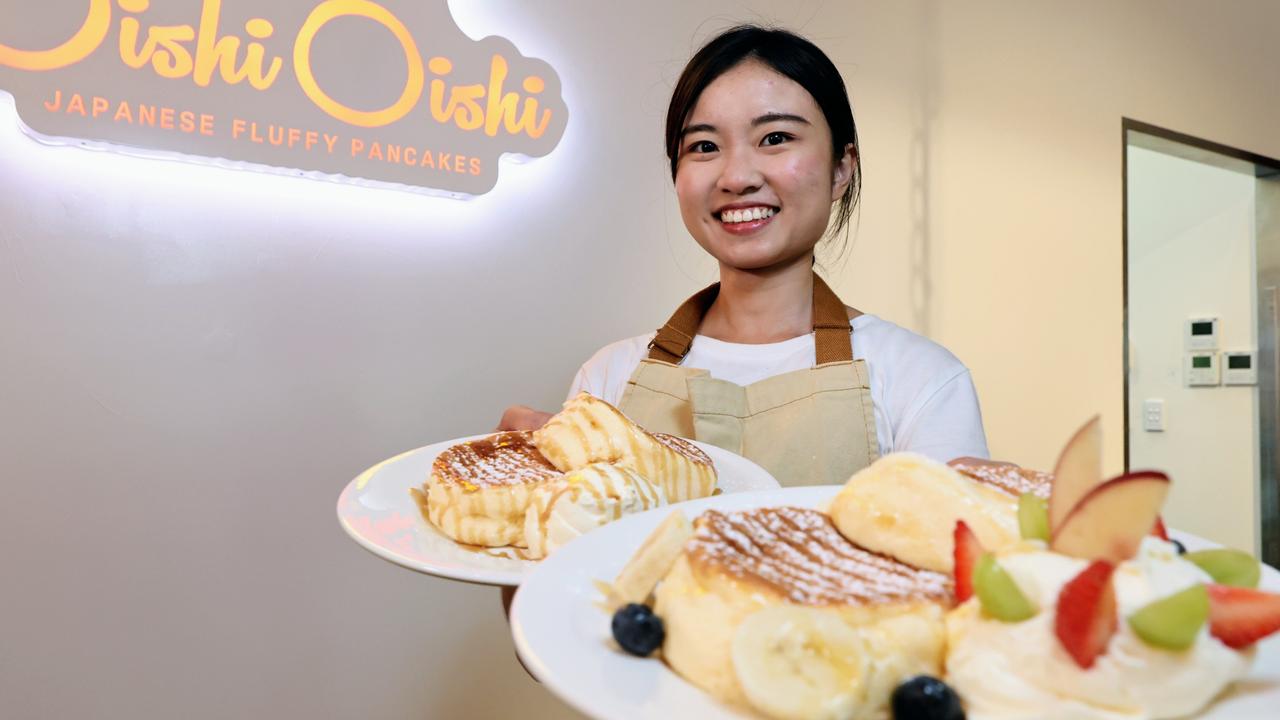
(377, 511)
(564, 639)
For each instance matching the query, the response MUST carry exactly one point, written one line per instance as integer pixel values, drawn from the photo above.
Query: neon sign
(388, 92)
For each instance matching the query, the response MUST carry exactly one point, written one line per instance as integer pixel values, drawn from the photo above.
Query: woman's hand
(522, 417)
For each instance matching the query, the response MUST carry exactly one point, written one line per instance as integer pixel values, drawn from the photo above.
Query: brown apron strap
(832, 334)
(830, 326)
(672, 342)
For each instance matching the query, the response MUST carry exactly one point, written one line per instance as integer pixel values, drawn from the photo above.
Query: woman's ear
(842, 175)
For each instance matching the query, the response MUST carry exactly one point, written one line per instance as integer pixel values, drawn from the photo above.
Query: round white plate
(377, 511)
(563, 638)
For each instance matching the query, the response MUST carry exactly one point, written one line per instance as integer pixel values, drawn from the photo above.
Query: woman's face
(755, 175)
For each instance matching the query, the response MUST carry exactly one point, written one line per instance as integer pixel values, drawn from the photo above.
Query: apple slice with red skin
(1110, 521)
(1078, 471)
(1160, 530)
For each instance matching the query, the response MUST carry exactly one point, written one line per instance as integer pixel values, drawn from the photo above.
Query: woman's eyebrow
(778, 117)
(761, 120)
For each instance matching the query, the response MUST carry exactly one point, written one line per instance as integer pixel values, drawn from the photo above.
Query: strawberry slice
(967, 552)
(1087, 613)
(1159, 530)
(1239, 616)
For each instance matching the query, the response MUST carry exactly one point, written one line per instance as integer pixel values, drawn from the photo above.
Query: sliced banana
(899, 648)
(651, 562)
(800, 663)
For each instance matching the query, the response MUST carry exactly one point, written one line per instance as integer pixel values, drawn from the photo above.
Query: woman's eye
(775, 138)
(702, 146)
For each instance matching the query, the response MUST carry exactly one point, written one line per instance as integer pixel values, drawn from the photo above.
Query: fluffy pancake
(589, 430)
(906, 506)
(738, 564)
(1008, 478)
(796, 554)
(478, 491)
(682, 470)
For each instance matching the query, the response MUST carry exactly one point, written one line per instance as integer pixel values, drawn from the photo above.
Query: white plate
(378, 512)
(564, 639)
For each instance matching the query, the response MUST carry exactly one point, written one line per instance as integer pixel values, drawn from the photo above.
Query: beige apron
(806, 427)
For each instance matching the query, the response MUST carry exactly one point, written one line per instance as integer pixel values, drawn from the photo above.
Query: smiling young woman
(768, 362)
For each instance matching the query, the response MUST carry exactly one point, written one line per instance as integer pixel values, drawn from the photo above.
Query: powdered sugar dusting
(800, 554)
(507, 458)
(1009, 478)
(684, 447)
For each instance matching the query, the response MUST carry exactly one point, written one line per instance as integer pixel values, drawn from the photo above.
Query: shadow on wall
(920, 239)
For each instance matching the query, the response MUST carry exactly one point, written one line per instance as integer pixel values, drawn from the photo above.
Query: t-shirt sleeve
(582, 383)
(605, 375)
(947, 424)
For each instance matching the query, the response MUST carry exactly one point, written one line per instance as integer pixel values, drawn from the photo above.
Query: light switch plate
(1153, 415)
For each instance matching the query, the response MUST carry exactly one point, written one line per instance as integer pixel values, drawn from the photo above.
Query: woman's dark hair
(790, 55)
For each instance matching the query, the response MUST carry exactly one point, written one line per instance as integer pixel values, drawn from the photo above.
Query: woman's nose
(739, 175)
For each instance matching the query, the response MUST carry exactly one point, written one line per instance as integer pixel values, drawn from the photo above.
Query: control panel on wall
(1239, 367)
(1201, 333)
(1201, 368)
(1204, 366)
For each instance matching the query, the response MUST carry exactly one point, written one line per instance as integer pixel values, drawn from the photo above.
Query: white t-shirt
(924, 398)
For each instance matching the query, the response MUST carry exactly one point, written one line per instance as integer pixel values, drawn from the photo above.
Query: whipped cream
(583, 500)
(1020, 670)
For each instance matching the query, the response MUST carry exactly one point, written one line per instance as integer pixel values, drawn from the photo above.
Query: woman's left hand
(522, 417)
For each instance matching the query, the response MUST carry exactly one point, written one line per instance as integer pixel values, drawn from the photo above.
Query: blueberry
(926, 698)
(637, 629)
(1182, 549)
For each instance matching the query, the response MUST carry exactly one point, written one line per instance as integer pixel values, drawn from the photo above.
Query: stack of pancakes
(589, 464)
(741, 563)
(797, 613)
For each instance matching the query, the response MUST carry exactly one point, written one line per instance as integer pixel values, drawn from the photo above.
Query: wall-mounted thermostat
(1202, 333)
(1201, 369)
(1239, 367)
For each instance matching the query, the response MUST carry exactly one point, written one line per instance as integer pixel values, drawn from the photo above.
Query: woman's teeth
(746, 214)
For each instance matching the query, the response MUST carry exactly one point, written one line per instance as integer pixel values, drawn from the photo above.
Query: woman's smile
(745, 219)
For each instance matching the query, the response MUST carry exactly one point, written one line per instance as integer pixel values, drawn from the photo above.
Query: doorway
(1201, 293)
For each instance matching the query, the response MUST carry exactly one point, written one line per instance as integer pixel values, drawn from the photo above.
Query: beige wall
(196, 361)
(1191, 254)
(1027, 186)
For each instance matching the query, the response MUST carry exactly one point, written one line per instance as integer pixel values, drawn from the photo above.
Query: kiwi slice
(1173, 622)
(1228, 567)
(1033, 517)
(998, 593)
